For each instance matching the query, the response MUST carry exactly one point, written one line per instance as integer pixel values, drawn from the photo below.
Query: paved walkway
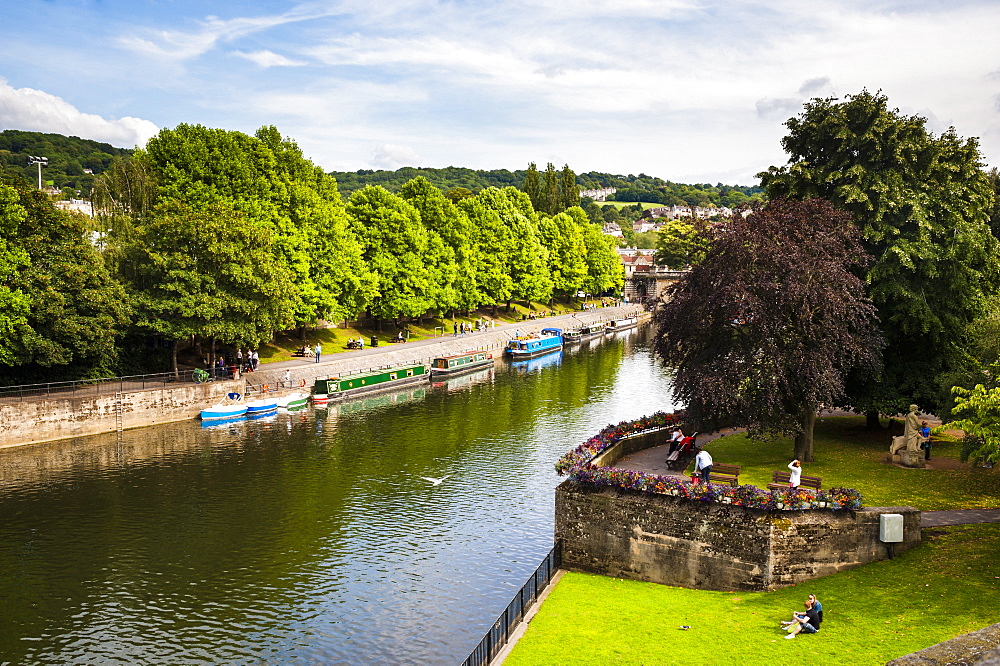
(959, 517)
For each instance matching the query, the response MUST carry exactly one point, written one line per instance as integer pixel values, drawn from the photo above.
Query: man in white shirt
(703, 464)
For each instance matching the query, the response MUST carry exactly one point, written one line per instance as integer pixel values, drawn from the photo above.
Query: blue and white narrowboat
(524, 347)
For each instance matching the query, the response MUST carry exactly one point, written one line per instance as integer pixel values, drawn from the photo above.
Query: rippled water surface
(309, 536)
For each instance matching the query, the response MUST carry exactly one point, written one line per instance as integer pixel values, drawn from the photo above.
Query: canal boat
(458, 363)
(293, 400)
(383, 379)
(262, 406)
(223, 412)
(621, 324)
(584, 333)
(523, 347)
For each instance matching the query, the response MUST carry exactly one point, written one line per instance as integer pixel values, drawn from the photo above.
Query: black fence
(92, 387)
(500, 632)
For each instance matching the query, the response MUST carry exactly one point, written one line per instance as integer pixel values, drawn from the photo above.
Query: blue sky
(685, 90)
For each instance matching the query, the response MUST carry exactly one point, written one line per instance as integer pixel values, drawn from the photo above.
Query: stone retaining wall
(670, 540)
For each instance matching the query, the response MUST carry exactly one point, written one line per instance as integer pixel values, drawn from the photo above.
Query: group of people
(247, 363)
(356, 344)
(807, 621)
(464, 327)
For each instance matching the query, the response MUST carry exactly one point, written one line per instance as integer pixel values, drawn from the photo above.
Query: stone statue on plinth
(906, 449)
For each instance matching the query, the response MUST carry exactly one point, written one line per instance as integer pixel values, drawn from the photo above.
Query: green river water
(308, 537)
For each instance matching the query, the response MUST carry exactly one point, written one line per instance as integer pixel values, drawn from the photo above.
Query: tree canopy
(922, 203)
(767, 327)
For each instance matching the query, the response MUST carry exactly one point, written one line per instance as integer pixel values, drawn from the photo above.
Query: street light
(40, 161)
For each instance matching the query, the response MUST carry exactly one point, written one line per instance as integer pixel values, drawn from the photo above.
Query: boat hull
(621, 324)
(337, 388)
(261, 406)
(223, 412)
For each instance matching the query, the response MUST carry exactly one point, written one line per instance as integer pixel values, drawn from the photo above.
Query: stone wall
(670, 540)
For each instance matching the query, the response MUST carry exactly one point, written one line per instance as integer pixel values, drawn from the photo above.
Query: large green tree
(922, 203)
(78, 311)
(604, 267)
(14, 303)
(207, 271)
(395, 248)
(562, 236)
(765, 330)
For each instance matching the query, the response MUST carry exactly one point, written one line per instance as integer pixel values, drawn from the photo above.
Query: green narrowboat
(382, 379)
(459, 363)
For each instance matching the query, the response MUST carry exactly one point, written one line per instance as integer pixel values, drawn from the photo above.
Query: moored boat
(223, 412)
(523, 347)
(621, 324)
(262, 406)
(335, 388)
(293, 400)
(459, 363)
(585, 332)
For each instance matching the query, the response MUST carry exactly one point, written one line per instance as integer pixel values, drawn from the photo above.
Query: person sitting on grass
(807, 622)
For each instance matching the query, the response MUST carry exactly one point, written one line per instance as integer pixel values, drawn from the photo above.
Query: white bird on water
(435, 482)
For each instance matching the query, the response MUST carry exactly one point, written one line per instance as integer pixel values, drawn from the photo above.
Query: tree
(551, 197)
(604, 267)
(978, 410)
(766, 328)
(922, 204)
(14, 303)
(679, 244)
(533, 186)
(562, 236)
(395, 247)
(569, 189)
(78, 311)
(207, 271)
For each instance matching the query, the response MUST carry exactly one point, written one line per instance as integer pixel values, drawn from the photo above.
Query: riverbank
(51, 419)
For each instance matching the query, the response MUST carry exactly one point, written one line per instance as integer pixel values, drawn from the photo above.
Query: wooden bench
(723, 473)
(779, 481)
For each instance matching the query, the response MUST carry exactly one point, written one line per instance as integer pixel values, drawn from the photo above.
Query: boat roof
(557, 331)
(468, 353)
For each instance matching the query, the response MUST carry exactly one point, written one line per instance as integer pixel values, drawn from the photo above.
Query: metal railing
(500, 632)
(92, 387)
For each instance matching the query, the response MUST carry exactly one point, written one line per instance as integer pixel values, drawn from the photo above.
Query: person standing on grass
(703, 464)
(795, 474)
(925, 432)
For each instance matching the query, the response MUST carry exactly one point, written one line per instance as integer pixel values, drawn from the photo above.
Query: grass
(848, 454)
(947, 586)
(334, 340)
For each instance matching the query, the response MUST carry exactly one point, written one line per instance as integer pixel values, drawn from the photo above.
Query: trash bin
(374, 341)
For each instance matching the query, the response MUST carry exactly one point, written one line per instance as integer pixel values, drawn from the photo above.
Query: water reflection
(306, 535)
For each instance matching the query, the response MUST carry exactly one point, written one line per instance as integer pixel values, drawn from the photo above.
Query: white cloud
(391, 157)
(269, 59)
(34, 110)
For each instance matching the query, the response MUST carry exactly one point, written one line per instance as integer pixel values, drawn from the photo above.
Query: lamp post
(40, 161)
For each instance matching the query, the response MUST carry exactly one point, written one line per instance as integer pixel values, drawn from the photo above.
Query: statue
(910, 441)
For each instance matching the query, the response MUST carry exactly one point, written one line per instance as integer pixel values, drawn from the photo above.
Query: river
(310, 536)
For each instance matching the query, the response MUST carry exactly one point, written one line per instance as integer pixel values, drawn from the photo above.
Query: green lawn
(948, 586)
(622, 204)
(847, 454)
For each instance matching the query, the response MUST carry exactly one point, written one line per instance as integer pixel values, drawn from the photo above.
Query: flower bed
(577, 465)
(610, 436)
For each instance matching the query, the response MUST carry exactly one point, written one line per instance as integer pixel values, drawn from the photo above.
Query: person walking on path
(795, 474)
(319, 350)
(703, 464)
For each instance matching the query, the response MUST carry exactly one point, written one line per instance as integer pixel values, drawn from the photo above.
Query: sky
(684, 90)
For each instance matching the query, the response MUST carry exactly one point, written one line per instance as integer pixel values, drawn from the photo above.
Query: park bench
(779, 481)
(301, 351)
(723, 473)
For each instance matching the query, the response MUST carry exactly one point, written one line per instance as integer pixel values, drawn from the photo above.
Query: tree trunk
(872, 421)
(173, 353)
(804, 440)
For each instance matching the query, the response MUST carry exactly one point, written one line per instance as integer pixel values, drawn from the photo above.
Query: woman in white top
(796, 474)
